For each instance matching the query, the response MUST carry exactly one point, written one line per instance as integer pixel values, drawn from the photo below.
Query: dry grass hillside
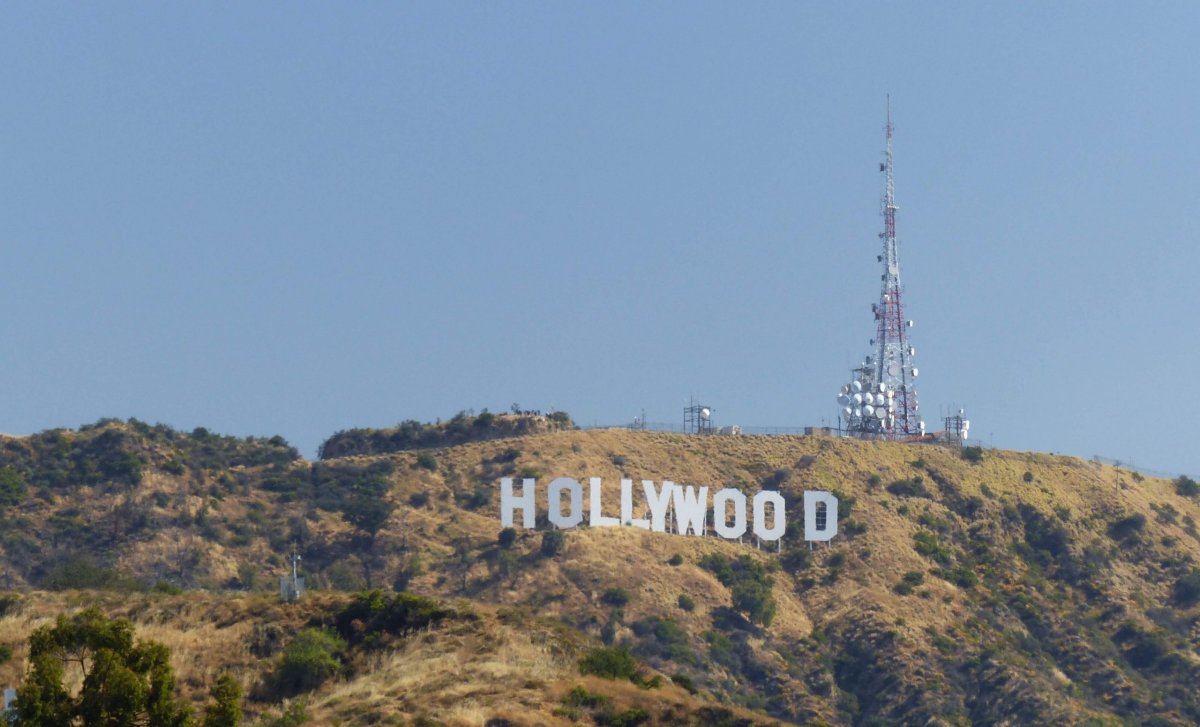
(1002, 588)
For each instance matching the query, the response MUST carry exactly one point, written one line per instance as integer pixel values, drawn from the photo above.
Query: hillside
(1014, 588)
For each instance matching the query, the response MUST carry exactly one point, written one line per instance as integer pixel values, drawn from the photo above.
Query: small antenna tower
(880, 402)
(957, 428)
(292, 587)
(697, 418)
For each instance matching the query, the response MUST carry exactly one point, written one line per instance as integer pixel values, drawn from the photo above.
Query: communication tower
(292, 587)
(697, 418)
(880, 402)
(957, 428)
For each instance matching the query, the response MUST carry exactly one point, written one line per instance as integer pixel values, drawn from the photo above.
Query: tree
(226, 709)
(1186, 486)
(507, 537)
(553, 543)
(125, 683)
(12, 487)
(308, 660)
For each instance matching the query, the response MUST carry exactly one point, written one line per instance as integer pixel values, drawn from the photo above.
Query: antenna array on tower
(880, 402)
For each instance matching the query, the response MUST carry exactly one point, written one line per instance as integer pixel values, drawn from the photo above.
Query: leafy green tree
(12, 487)
(308, 660)
(226, 709)
(125, 683)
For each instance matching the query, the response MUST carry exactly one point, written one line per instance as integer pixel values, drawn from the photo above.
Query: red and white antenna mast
(881, 400)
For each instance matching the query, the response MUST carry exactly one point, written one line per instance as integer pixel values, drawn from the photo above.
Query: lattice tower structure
(881, 400)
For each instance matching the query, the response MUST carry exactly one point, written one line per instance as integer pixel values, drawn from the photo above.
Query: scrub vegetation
(964, 587)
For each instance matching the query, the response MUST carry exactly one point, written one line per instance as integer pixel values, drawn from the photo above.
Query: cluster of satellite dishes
(859, 401)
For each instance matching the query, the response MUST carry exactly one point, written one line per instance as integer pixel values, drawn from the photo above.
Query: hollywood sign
(689, 506)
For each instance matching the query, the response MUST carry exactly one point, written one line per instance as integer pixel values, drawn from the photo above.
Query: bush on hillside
(914, 487)
(309, 659)
(553, 543)
(371, 618)
(610, 662)
(1186, 486)
(1127, 527)
(748, 582)
(1187, 589)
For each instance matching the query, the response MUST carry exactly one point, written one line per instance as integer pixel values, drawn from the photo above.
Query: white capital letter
(575, 491)
(659, 503)
(509, 502)
(760, 515)
(691, 512)
(599, 520)
(811, 498)
(627, 507)
(720, 500)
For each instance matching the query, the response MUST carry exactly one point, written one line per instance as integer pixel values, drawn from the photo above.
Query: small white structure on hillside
(292, 587)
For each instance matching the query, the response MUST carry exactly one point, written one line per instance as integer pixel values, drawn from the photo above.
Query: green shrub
(686, 602)
(425, 460)
(1186, 486)
(1187, 589)
(615, 597)
(9, 603)
(580, 697)
(6, 653)
(754, 599)
(610, 662)
(1127, 527)
(685, 681)
(308, 660)
(909, 488)
(507, 537)
(926, 543)
(12, 487)
(749, 584)
(974, 455)
(553, 543)
(418, 499)
(371, 618)
(1027, 477)
(226, 707)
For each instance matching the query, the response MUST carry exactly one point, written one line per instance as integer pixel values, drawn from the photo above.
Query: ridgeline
(964, 586)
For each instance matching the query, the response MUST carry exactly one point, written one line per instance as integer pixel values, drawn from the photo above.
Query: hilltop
(965, 586)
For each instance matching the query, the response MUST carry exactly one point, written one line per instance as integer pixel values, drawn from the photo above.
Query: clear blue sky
(296, 218)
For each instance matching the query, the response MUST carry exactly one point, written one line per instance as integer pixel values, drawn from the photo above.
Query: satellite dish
(847, 410)
(910, 324)
(858, 412)
(869, 410)
(881, 413)
(705, 413)
(915, 372)
(858, 399)
(883, 386)
(845, 388)
(893, 370)
(880, 400)
(856, 386)
(843, 400)
(912, 351)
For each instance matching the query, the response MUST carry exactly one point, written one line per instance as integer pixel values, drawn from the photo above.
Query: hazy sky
(296, 218)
